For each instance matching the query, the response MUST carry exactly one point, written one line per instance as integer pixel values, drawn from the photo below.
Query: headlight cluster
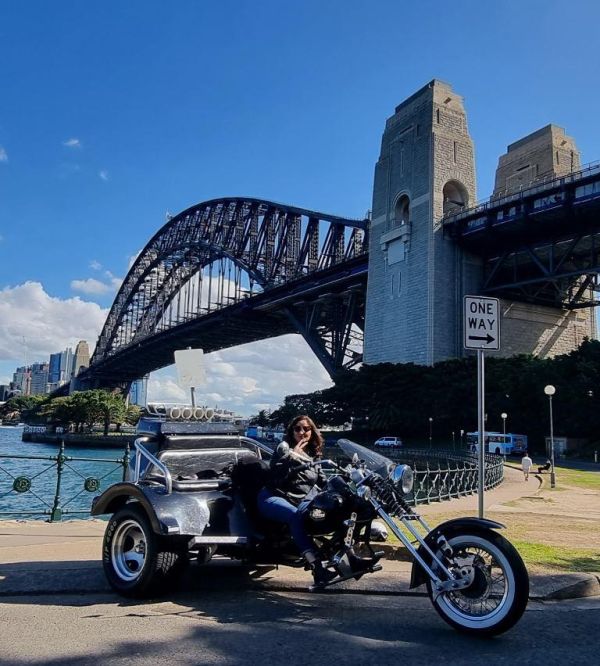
(403, 478)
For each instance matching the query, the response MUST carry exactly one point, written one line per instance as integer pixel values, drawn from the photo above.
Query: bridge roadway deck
(38, 558)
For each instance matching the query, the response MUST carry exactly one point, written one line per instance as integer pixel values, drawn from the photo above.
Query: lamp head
(549, 389)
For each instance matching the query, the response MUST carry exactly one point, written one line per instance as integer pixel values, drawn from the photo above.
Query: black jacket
(291, 484)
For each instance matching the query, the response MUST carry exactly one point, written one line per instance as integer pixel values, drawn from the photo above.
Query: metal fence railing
(61, 485)
(55, 486)
(443, 474)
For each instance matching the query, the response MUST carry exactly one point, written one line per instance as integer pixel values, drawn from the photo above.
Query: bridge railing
(532, 188)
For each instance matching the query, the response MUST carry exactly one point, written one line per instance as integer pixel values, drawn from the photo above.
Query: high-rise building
(39, 378)
(81, 358)
(22, 380)
(54, 368)
(4, 392)
(138, 393)
(61, 367)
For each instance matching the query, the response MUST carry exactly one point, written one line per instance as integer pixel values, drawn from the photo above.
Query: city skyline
(87, 177)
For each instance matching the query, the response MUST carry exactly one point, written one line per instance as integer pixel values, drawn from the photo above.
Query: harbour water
(28, 486)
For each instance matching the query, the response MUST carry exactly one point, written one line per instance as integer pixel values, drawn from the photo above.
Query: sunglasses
(302, 428)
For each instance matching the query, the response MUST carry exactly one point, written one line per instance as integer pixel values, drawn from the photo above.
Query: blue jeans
(280, 510)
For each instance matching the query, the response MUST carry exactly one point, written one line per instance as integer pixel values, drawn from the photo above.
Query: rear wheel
(137, 562)
(498, 594)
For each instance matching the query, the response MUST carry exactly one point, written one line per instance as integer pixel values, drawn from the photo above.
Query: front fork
(442, 578)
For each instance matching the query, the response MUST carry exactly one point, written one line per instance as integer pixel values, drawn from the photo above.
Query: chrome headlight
(403, 478)
(357, 475)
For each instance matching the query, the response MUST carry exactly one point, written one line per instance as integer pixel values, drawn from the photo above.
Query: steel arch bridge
(229, 271)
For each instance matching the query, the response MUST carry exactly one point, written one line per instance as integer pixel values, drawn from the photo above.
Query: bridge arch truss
(226, 255)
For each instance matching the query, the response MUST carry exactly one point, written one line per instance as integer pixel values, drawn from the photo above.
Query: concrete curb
(587, 587)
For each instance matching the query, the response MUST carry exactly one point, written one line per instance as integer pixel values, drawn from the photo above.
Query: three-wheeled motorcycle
(193, 492)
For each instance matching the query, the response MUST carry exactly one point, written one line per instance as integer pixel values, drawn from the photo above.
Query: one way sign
(482, 326)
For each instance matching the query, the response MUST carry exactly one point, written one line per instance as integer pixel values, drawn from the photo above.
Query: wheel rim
(129, 550)
(489, 598)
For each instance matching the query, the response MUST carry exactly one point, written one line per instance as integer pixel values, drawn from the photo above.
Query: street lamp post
(550, 390)
(430, 430)
(453, 441)
(504, 416)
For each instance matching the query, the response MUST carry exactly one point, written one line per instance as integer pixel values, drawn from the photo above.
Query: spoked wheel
(498, 594)
(135, 562)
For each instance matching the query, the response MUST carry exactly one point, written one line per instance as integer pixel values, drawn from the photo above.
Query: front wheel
(137, 563)
(498, 595)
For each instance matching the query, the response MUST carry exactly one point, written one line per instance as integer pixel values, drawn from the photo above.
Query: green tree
(261, 419)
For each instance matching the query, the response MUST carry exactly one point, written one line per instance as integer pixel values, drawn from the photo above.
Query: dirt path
(566, 517)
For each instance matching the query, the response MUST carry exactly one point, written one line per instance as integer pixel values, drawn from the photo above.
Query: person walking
(526, 464)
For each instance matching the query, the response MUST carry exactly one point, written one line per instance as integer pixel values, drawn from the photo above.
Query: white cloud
(249, 378)
(244, 379)
(34, 325)
(3, 155)
(92, 286)
(72, 143)
(103, 174)
(95, 265)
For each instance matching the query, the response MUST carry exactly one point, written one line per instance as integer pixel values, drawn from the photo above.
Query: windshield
(374, 461)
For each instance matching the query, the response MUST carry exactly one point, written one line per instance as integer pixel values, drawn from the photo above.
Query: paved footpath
(39, 558)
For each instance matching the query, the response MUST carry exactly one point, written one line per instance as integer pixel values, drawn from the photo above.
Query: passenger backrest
(199, 464)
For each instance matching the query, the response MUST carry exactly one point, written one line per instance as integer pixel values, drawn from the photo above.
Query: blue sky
(112, 114)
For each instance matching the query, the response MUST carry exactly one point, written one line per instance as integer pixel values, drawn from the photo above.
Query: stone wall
(542, 331)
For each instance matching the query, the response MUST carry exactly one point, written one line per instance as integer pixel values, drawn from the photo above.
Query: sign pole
(482, 331)
(481, 425)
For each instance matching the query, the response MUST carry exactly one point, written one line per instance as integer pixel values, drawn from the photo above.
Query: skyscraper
(138, 393)
(39, 378)
(22, 380)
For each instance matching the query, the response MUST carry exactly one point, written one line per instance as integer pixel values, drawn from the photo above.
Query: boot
(321, 575)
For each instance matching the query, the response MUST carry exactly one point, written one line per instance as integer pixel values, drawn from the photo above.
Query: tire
(494, 553)
(137, 562)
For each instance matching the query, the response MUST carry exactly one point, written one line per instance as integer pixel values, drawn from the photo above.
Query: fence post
(126, 462)
(56, 512)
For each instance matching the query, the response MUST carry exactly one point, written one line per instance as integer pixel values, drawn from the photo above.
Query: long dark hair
(315, 443)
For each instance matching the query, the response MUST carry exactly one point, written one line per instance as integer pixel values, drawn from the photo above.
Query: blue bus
(499, 443)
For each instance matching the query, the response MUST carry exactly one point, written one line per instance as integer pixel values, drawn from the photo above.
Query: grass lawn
(558, 558)
(577, 478)
(550, 557)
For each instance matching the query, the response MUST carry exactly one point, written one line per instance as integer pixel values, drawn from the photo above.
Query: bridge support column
(416, 276)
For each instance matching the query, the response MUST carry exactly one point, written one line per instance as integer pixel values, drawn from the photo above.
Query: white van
(389, 442)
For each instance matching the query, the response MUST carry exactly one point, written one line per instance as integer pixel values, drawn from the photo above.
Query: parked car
(389, 442)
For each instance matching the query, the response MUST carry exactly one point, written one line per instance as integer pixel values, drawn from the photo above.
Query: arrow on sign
(487, 338)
